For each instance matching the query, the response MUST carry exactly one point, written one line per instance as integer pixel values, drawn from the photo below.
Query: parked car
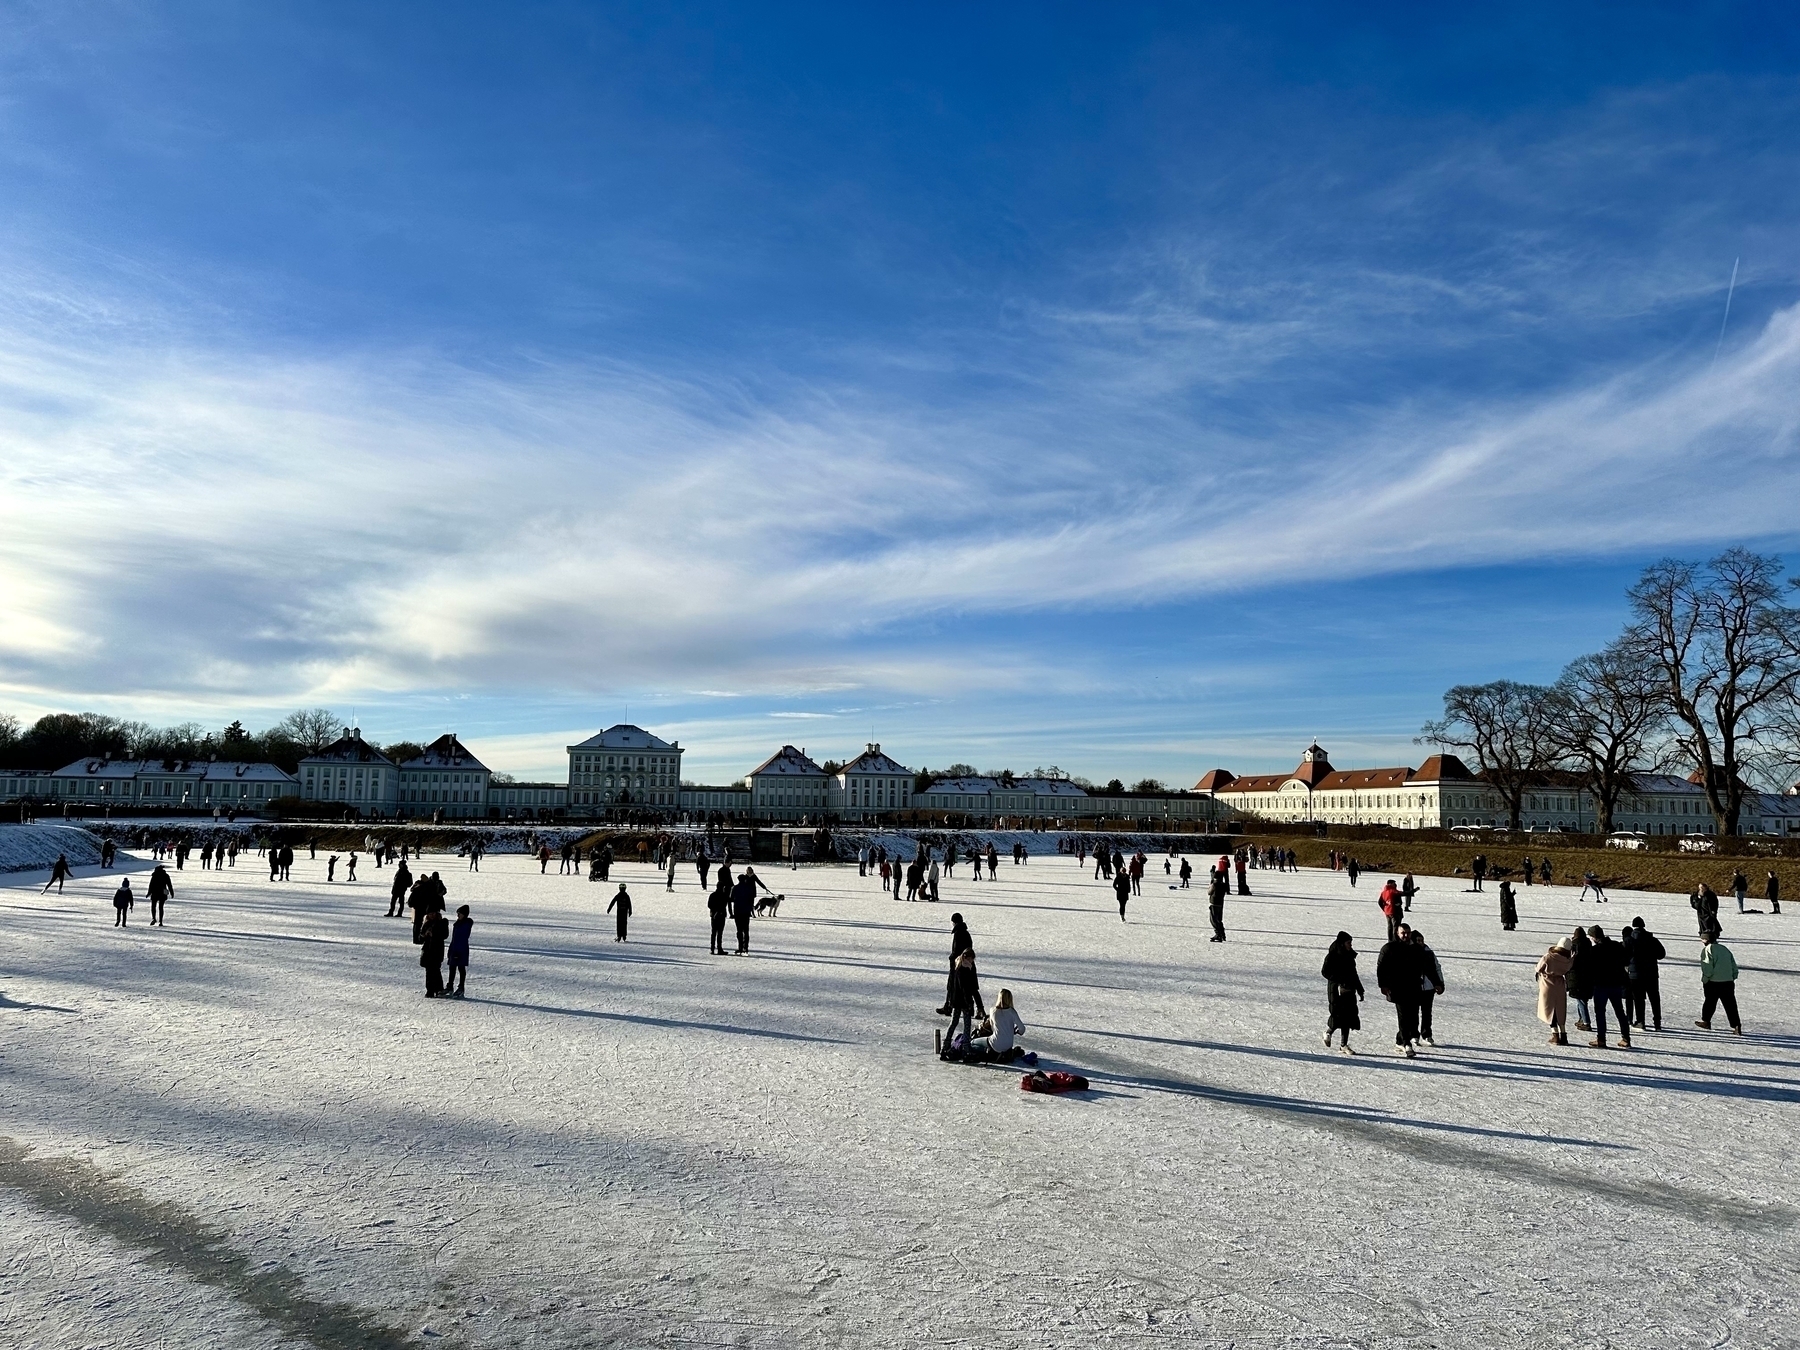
(1697, 843)
(1627, 839)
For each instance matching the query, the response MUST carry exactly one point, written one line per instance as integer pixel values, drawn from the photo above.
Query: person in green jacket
(1718, 981)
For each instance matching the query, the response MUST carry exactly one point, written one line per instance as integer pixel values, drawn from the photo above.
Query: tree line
(1704, 680)
(62, 738)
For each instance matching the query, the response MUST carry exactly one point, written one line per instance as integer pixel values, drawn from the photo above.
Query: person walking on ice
(122, 902)
(59, 873)
(1215, 902)
(459, 952)
(1718, 983)
(161, 888)
(1552, 977)
(1122, 889)
(620, 905)
(1400, 974)
(1343, 991)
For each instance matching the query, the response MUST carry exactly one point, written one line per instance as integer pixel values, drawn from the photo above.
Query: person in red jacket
(1392, 904)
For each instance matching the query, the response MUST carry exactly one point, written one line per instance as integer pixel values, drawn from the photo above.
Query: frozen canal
(249, 1129)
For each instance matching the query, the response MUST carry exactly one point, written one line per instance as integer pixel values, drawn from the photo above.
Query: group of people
(1599, 973)
(996, 1035)
(161, 887)
(1409, 976)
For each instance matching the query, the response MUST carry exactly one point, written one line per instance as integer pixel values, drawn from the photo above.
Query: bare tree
(311, 729)
(1605, 711)
(1506, 726)
(1728, 652)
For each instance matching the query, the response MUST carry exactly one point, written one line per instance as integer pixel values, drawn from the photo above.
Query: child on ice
(459, 952)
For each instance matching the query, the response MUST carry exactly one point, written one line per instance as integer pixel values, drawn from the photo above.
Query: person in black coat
(397, 892)
(965, 997)
(122, 902)
(161, 888)
(960, 942)
(1215, 903)
(1705, 904)
(1642, 975)
(620, 907)
(743, 905)
(1772, 889)
(1343, 991)
(1400, 975)
(1509, 908)
(1122, 889)
(718, 905)
(435, 932)
(1606, 976)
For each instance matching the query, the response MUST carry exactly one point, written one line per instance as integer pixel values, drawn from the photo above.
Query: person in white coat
(1002, 1042)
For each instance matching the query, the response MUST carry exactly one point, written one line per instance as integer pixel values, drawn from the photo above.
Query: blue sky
(1130, 389)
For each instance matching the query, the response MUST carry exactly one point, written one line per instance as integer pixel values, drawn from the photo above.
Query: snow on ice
(250, 1129)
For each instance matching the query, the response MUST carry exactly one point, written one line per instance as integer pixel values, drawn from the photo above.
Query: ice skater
(1718, 983)
(718, 905)
(122, 902)
(431, 953)
(1122, 889)
(1400, 974)
(960, 942)
(161, 888)
(459, 951)
(1343, 991)
(397, 890)
(59, 873)
(1215, 903)
(620, 907)
(1431, 984)
(350, 867)
(1552, 975)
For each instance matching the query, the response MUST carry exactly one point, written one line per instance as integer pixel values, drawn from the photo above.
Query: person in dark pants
(397, 891)
(459, 951)
(1353, 870)
(287, 862)
(274, 862)
(1772, 890)
(122, 903)
(1122, 889)
(620, 906)
(1718, 983)
(161, 888)
(1643, 979)
(718, 905)
(1243, 879)
(1343, 991)
(1400, 974)
(1478, 869)
(59, 873)
(1431, 984)
(960, 942)
(1740, 886)
(743, 905)
(431, 953)
(1705, 904)
(965, 997)
(1606, 977)
(1509, 907)
(1215, 903)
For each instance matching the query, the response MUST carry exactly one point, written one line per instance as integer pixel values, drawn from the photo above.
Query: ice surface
(641, 1144)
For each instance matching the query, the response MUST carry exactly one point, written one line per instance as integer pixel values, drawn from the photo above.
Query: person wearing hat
(1606, 978)
(1509, 907)
(1642, 952)
(1552, 976)
(1343, 991)
(122, 899)
(620, 907)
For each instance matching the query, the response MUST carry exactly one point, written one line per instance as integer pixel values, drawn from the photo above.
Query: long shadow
(1441, 1064)
(617, 952)
(638, 1019)
(16, 1006)
(1414, 1139)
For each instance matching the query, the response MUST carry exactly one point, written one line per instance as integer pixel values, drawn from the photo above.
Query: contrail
(1727, 319)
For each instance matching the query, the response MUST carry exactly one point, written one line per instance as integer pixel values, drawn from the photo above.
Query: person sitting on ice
(1001, 1042)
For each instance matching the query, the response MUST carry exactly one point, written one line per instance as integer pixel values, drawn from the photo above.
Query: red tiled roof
(1340, 779)
(1439, 768)
(1213, 780)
